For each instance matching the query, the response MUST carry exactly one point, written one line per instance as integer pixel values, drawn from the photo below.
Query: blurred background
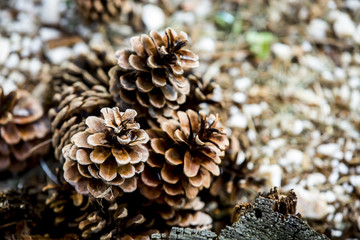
(287, 77)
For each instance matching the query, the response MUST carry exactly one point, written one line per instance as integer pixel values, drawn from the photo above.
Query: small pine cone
(104, 158)
(103, 11)
(121, 220)
(200, 92)
(185, 153)
(77, 90)
(231, 184)
(190, 214)
(65, 206)
(150, 74)
(22, 127)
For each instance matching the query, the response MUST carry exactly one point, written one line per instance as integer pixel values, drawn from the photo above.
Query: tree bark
(272, 216)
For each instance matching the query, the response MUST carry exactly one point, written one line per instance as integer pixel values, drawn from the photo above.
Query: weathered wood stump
(272, 216)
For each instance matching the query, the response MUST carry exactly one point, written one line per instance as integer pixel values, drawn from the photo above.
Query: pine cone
(76, 91)
(22, 127)
(104, 158)
(119, 221)
(229, 186)
(71, 212)
(185, 153)
(65, 207)
(103, 11)
(190, 214)
(150, 74)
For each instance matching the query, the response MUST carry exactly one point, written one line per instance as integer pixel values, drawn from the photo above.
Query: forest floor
(288, 75)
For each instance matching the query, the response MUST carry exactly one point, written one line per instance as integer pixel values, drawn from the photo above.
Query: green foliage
(260, 43)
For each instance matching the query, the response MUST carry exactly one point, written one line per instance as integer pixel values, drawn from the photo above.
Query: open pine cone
(185, 153)
(150, 74)
(22, 127)
(103, 160)
(77, 90)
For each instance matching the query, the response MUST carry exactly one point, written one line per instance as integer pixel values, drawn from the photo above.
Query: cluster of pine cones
(127, 129)
(135, 150)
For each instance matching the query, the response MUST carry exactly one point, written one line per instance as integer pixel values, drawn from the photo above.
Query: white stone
(253, 109)
(311, 204)
(330, 196)
(12, 61)
(276, 132)
(5, 49)
(217, 94)
(59, 55)
(205, 44)
(237, 120)
(315, 179)
(240, 158)
(277, 143)
(329, 149)
(352, 5)
(35, 66)
(355, 100)
(97, 40)
(306, 46)
(50, 11)
(24, 65)
(346, 59)
(251, 134)
(35, 45)
(355, 180)
(331, 5)
(333, 177)
(267, 151)
(344, 26)
(282, 51)
(9, 86)
(317, 29)
(340, 73)
(297, 127)
(153, 17)
(239, 97)
(336, 233)
(327, 75)
(80, 48)
(242, 84)
(294, 157)
(356, 35)
(186, 18)
(49, 33)
(348, 155)
(354, 82)
(205, 7)
(17, 77)
(314, 63)
(272, 173)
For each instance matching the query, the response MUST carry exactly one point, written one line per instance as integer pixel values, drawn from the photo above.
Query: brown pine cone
(150, 74)
(22, 127)
(77, 90)
(185, 153)
(65, 206)
(200, 92)
(119, 221)
(105, 11)
(103, 159)
(70, 211)
(190, 214)
(230, 185)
